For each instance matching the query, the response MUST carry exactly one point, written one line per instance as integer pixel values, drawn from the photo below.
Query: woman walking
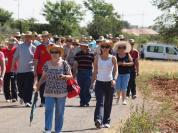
(124, 61)
(55, 72)
(105, 74)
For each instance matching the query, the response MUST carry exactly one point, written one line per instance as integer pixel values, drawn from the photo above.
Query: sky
(136, 12)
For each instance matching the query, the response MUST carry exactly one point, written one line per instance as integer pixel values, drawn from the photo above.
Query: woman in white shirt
(105, 74)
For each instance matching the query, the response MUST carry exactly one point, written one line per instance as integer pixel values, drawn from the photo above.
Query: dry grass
(161, 67)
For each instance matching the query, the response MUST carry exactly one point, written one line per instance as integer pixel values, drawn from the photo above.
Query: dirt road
(14, 118)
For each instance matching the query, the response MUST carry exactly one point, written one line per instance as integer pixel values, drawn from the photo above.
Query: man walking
(24, 54)
(83, 66)
(134, 70)
(41, 56)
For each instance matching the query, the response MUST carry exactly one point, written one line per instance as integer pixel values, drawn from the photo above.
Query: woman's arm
(130, 63)
(41, 81)
(95, 67)
(115, 71)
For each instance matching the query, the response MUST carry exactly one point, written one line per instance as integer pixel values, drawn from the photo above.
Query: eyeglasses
(54, 52)
(105, 47)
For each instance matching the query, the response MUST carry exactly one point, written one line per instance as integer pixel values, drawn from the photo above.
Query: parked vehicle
(159, 51)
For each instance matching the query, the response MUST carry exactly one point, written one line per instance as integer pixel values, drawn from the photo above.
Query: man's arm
(3, 68)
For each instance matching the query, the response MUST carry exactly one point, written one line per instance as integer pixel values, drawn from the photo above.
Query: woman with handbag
(105, 74)
(55, 72)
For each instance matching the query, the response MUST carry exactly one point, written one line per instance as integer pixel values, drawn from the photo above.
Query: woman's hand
(120, 63)
(113, 83)
(62, 76)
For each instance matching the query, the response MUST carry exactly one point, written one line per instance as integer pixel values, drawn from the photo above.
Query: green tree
(168, 21)
(5, 16)
(63, 16)
(105, 19)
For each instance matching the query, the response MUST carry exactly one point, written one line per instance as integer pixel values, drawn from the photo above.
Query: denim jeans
(59, 105)
(122, 82)
(132, 84)
(104, 97)
(84, 81)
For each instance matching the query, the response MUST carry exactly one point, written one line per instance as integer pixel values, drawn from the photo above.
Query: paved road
(15, 119)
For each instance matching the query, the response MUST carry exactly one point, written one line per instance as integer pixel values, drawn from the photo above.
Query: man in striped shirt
(83, 66)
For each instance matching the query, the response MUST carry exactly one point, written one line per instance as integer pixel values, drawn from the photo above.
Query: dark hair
(110, 51)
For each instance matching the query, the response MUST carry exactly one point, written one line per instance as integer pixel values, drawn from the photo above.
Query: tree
(5, 16)
(167, 23)
(63, 16)
(105, 19)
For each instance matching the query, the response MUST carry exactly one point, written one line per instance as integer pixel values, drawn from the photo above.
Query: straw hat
(100, 39)
(122, 43)
(84, 44)
(45, 33)
(28, 33)
(17, 34)
(55, 47)
(10, 41)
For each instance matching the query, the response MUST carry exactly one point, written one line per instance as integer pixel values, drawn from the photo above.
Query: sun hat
(122, 37)
(84, 44)
(122, 43)
(53, 46)
(132, 41)
(28, 33)
(45, 33)
(17, 34)
(100, 39)
(10, 41)
(107, 42)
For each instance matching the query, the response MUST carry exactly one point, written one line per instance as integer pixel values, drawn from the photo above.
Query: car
(159, 51)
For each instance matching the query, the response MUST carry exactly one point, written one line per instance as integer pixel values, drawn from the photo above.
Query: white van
(160, 51)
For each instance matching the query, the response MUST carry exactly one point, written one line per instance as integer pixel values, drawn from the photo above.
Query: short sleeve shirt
(42, 55)
(135, 55)
(85, 61)
(54, 86)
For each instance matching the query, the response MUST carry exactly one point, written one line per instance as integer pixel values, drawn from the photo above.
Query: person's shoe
(28, 104)
(134, 96)
(107, 126)
(21, 101)
(8, 101)
(124, 102)
(117, 101)
(1, 92)
(87, 105)
(82, 105)
(98, 124)
(14, 100)
(42, 105)
(46, 131)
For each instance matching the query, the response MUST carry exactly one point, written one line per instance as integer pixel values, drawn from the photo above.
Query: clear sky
(136, 12)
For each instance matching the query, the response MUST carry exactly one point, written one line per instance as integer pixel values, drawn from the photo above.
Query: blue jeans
(122, 82)
(104, 98)
(84, 81)
(59, 104)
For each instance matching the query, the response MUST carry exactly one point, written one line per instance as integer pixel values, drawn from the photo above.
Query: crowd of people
(107, 65)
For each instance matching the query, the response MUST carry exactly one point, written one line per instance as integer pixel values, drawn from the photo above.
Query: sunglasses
(54, 52)
(121, 47)
(105, 47)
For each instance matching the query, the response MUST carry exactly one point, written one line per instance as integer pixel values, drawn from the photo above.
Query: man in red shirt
(41, 56)
(10, 89)
(134, 70)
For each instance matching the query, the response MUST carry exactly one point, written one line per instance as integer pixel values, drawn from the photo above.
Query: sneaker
(124, 102)
(46, 131)
(28, 104)
(98, 124)
(134, 96)
(14, 100)
(87, 105)
(107, 126)
(8, 101)
(21, 101)
(117, 101)
(42, 105)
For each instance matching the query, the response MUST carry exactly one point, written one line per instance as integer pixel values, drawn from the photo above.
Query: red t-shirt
(42, 55)
(8, 54)
(135, 55)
